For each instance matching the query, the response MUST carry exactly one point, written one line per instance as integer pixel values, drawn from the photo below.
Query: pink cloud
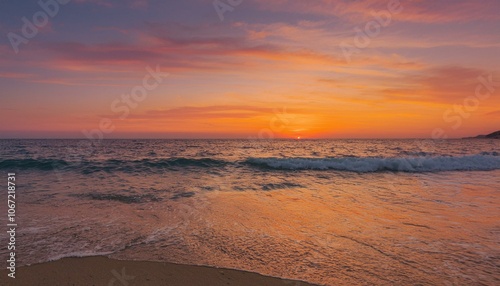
(447, 84)
(205, 112)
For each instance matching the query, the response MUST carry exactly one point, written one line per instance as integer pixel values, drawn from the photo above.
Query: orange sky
(277, 69)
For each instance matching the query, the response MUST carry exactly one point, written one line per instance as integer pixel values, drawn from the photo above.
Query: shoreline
(100, 270)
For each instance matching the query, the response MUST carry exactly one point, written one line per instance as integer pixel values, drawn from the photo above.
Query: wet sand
(104, 271)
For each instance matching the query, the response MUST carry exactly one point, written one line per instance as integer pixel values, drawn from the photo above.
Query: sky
(249, 68)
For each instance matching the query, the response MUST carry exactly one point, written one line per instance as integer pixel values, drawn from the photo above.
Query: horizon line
(259, 139)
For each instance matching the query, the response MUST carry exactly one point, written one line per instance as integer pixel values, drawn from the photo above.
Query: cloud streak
(233, 75)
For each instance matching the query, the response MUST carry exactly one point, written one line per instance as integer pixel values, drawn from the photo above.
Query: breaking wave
(481, 162)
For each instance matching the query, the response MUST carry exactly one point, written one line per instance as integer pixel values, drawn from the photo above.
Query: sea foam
(480, 162)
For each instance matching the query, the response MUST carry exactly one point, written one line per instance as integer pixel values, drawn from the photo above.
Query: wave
(40, 164)
(78, 254)
(130, 199)
(484, 161)
(481, 162)
(284, 185)
(88, 166)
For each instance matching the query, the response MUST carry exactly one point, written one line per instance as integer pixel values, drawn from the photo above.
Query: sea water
(335, 212)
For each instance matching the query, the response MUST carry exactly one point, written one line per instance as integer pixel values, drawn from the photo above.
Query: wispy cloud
(446, 84)
(206, 112)
(267, 55)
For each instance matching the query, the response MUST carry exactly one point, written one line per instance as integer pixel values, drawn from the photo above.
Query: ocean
(331, 212)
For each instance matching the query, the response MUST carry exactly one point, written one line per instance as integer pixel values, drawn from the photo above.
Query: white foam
(79, 254)
(482, 162)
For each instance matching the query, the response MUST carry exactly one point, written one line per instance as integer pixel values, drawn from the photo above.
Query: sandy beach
(104, 271)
